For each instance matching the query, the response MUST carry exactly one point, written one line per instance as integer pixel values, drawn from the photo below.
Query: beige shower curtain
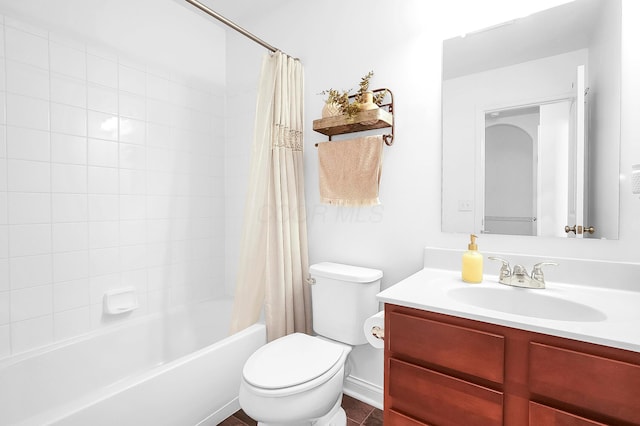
(273, 252)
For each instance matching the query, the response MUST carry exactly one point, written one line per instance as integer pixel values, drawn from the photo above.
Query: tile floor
(358, 413)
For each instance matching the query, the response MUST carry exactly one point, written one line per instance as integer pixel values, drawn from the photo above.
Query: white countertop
(619, 327)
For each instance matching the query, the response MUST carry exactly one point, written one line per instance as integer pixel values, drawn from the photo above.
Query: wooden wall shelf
(378, 118)
(365, 120)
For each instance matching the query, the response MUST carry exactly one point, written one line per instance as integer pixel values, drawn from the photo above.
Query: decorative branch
(342, 98)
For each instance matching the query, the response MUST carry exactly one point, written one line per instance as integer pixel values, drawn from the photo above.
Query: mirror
(531, 125)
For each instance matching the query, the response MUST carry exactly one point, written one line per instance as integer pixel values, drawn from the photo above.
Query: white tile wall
(228, 216)
(69, 61)
(102, 126)
(68, 119)
(23, 111)
(3, 107)
(29, 176)
(4, 275)
(70, 295)
(27, 80)
(29, 207)
(5, 308)
(69, 207)
(26, 47)
(27, 144)
(28, 271)
(102, 98)
(72, 236)
(3, 138)
(72, 265)
(110, 175)
(5, 340)
(31, 333)
(68, 149)
(102, 71)
(68, 178)
(29, 240)
(72, 322)
(4, 242)
(69, 91)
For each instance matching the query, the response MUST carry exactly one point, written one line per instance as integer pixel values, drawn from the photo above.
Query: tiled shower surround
(110, 177)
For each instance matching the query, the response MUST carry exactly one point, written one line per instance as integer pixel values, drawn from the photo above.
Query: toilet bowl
(297, 380)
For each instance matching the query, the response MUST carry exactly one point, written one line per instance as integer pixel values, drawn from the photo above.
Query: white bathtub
(176, 369)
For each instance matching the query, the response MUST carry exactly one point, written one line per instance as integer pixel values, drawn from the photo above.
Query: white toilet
(298, 379)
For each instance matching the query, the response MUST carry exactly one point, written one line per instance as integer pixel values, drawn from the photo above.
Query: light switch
(635, 178)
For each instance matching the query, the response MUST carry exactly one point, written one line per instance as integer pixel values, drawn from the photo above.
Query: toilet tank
(342, 297)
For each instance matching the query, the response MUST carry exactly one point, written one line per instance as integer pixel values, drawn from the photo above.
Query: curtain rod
(232, 25)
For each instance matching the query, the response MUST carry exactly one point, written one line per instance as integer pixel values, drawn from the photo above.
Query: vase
(366, 102)
(331, 109)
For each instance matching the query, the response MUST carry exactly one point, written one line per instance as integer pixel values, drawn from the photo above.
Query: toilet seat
(292, 364)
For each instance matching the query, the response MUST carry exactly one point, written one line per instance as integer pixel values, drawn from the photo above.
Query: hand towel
(350, 171)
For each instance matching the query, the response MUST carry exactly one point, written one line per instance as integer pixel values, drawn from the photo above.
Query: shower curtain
(273, 252)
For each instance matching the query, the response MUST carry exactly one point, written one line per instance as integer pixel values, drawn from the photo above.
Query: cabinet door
(598, 384)
(434, 343)
(543, 415)
(439, 399)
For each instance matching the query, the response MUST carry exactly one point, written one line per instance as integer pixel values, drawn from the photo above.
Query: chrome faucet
(518, 277)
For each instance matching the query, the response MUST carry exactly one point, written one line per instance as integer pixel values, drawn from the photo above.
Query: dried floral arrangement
(348, 107)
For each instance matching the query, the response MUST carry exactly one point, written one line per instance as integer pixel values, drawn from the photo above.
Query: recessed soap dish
(120, 301)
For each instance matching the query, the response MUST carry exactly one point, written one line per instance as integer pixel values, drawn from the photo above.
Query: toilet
(298, 379)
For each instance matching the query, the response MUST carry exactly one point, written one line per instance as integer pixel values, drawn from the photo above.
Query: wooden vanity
(447, 370)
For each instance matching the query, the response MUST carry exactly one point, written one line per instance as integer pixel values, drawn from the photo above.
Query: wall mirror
(531, 125)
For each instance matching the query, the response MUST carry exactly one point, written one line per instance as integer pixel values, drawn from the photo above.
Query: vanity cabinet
(445, 370)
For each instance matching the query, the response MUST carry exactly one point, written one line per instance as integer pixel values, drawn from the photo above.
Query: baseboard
(364, 391)
(221, 414)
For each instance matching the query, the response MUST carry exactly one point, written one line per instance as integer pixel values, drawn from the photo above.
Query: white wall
(604, 107)
(111, 175)
(338, 42)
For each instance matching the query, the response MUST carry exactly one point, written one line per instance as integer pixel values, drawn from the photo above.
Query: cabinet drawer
(439, 399)
(398, 419)
(462, 349)
(543, 415)
(601, 385)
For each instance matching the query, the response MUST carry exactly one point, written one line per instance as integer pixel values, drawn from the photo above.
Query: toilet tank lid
(338, 271)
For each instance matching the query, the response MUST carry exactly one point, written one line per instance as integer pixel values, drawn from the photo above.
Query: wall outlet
(465, 205)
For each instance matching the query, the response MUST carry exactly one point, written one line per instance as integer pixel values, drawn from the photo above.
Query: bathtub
(175, 369)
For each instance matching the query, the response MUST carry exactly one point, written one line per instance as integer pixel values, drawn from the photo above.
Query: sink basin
(530, 303)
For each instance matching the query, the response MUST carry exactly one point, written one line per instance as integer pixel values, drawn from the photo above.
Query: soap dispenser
(472, 263)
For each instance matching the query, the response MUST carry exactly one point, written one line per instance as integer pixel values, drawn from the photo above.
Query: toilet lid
(290, 361)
